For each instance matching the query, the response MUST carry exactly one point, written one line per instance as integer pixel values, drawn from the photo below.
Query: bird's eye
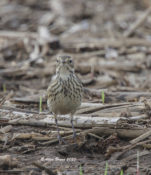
(70, 61)
(57, 61)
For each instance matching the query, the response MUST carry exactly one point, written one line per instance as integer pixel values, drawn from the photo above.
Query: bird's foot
(61, 140)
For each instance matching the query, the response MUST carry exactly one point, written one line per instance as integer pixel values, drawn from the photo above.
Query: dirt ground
(110, 42)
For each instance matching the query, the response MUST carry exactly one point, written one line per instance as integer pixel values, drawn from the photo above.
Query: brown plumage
(64, 93)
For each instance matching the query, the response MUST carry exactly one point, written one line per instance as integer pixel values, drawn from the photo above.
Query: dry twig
(42, 167)
(138, 23)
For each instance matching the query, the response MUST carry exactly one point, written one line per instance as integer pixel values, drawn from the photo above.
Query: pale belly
(64, 104)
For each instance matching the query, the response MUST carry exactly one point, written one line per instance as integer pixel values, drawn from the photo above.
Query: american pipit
(64, 93)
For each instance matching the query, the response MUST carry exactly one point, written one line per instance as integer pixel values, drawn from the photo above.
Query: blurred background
(110, 41)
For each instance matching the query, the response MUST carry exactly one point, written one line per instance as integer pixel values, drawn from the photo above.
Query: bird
(64, 94)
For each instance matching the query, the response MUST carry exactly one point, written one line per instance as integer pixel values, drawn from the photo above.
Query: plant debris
(110, 42)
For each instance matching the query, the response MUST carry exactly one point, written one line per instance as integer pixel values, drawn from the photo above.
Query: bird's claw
(61, 140)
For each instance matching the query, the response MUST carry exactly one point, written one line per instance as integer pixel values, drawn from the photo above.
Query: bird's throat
(64, 73)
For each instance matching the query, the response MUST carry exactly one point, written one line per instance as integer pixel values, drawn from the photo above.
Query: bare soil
(110, 42)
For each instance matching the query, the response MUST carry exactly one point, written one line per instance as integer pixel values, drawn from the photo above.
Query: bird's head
(65, 65)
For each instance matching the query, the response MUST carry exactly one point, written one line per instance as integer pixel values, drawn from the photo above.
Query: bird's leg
(74, 132)
(59, 136)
